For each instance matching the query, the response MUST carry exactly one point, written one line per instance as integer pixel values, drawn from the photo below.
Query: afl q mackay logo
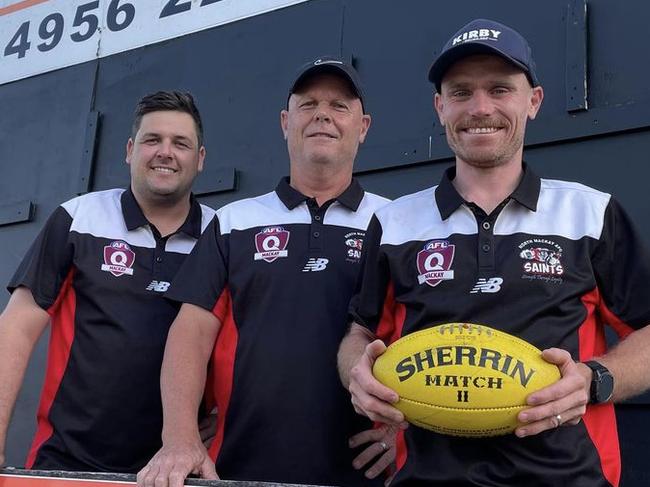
(118, 259)
(434, 262)
(271, 243)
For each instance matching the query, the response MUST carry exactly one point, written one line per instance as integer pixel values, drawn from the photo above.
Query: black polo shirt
(100, 269)
(279, 271)
(552, 264)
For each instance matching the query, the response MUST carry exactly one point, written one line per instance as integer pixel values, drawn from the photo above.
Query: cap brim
(327, 69)
(444, 62)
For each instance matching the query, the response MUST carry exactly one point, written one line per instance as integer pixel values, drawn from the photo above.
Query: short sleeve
(203, 277)
(48, 261)
(622, 268)
(367, 306)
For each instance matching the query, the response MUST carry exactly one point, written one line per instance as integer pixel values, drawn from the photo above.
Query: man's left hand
(561, 403)
(380, 449)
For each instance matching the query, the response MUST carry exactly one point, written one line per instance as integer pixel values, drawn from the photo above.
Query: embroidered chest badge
(542, 260)
(434, 262)
(354, 244)
(118, 259)
(271, 243)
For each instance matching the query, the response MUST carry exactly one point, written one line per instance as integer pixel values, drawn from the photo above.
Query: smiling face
(484, 105)
(164, 156)
(324, 123)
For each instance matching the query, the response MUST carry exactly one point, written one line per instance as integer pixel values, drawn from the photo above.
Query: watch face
(605, 387)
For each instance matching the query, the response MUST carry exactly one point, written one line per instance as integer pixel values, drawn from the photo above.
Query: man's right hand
(173, 463)
(369, 396)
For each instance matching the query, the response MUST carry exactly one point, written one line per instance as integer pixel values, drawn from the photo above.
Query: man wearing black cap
(270, 285)
(549, 261)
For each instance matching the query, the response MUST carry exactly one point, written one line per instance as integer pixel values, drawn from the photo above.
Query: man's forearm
(14, 355)
(629, 363)
(183, 375)
(351, 348)
(21, 324)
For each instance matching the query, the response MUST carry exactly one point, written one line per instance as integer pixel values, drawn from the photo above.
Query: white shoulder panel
(207, 214)
(566, 209)
(339, 215)
(264, 210)
(416, 217)
(182, 243)
(100, 214)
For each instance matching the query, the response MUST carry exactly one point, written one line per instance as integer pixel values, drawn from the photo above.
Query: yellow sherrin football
(463, 379)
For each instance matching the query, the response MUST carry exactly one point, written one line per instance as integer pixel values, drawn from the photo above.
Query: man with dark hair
(549, 261)
(265, 296)
(171, 101)
(97, 272)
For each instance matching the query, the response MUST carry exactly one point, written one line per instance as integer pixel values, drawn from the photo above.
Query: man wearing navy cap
(268, 289)
(549, 261)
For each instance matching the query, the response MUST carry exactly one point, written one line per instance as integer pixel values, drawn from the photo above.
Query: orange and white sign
(37, 36)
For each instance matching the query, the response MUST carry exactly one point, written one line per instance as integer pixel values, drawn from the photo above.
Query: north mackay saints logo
(434, 262)
(271, 243)
(354, 244)
(542, 259)
(118, 259)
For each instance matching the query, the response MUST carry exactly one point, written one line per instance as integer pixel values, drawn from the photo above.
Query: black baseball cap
(482, 36)
(329, 65)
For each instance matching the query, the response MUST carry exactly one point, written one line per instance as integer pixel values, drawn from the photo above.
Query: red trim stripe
(402, 453)
(15, 7)
(600, 420)
(223, 366)
(389, 330)
(62, 317)
(392, 318)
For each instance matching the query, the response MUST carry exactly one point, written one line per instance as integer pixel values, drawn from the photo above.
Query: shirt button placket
(486, 245)
(316, 234)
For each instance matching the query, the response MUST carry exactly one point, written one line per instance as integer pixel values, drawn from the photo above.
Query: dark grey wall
(240, 74)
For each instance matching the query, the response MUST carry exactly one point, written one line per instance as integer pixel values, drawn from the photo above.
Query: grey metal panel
(23, 211)
(215, 180)
(42, 128)
(576, 58)
(84, 178)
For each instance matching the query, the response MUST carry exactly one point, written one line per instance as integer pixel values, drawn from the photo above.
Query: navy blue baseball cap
(329, 65)
(482, 36)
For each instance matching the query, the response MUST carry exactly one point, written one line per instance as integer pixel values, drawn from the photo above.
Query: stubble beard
(484, 157)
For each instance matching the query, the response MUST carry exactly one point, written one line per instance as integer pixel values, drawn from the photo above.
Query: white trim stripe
(415, 217)
(100, 214)
(264, 210)
(341, 216)
(565, 209)
(269, 210)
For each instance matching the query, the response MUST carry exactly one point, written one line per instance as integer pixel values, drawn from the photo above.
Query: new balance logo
(315, 264)
(491, 285)
(158, 286)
